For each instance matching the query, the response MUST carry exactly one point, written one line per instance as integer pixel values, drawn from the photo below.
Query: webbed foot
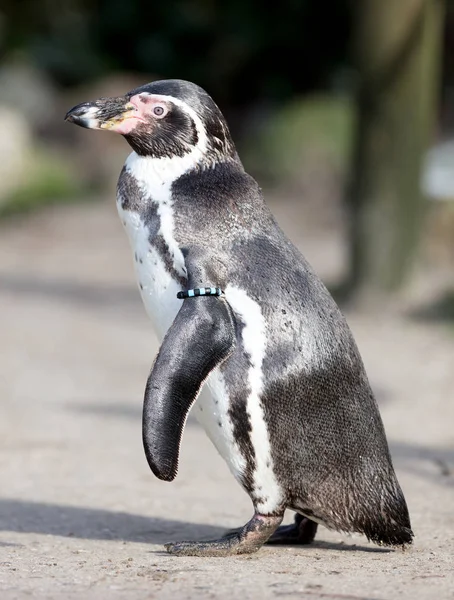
(246, 540)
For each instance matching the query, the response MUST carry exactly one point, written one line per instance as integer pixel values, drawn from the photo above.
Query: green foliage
(316, 125)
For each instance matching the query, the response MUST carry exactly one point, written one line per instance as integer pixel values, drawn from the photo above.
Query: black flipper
(200, 338)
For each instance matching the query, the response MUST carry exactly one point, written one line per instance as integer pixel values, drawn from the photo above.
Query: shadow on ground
(96, 524)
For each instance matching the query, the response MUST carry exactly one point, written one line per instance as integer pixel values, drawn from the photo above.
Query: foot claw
(177, 548)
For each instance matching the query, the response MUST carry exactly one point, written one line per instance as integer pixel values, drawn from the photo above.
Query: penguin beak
(112, 114)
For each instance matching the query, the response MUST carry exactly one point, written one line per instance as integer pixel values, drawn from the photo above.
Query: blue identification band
(208, 291)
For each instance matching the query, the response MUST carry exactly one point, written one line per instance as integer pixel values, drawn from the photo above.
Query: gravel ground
(81, 515)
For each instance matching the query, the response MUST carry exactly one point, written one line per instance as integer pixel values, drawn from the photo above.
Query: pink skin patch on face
(124, 127)
(144, 108)
(146, 105)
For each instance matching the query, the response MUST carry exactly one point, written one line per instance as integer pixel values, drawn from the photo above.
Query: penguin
(240, 311)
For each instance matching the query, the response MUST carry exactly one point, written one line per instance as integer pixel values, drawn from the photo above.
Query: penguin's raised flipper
(200, 338)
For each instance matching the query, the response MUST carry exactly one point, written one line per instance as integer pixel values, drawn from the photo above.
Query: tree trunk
(397, 52)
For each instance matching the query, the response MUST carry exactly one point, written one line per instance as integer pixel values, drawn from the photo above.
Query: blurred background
(346, 118)
(344, 112)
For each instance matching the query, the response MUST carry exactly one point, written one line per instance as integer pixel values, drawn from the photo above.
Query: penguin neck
(161, 171)
(156, 175)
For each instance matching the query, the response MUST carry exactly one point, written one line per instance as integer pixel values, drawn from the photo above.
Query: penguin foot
(302, 531)
(246, 540)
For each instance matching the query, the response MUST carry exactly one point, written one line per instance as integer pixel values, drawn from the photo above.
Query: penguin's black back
(327, 439)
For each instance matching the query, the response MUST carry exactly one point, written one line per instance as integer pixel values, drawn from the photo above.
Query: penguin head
(162, 119)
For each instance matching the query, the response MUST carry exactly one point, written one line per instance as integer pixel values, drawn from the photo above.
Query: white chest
(157, 288)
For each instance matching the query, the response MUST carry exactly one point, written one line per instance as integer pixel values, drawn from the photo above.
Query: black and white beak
(111, 114)
(85, 115)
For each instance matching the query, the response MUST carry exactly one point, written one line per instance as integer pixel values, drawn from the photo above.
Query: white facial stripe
(201, 133)
(255, 342)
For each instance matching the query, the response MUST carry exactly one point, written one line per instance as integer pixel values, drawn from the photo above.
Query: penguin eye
(159, 111)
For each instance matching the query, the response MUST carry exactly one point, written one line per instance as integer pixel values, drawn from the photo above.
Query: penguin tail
(370, 504)
(391, 535)
(384, 518)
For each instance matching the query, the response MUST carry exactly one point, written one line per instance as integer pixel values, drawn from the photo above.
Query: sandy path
(81, 516)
